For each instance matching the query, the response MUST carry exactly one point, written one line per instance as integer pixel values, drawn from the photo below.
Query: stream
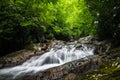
(58, 55)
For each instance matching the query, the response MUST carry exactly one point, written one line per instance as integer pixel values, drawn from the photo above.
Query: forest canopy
(29, 21)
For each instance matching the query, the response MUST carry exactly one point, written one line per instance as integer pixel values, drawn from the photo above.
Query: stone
(69, 69)
(70, 76)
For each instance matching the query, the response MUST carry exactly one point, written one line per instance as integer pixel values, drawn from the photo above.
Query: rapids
(58, 55)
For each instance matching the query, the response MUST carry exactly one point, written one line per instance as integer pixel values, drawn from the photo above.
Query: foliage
(74, 17)
(106, 13)
(28, 21)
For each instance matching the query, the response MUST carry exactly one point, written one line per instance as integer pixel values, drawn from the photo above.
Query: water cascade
(58, 55)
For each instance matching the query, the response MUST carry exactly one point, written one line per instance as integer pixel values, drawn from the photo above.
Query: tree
(30, 21)
(106, 13)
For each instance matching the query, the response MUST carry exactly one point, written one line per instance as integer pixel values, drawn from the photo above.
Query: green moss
(109, 70)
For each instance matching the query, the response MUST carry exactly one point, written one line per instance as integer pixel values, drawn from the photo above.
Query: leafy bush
(30, 21)
(107, 16)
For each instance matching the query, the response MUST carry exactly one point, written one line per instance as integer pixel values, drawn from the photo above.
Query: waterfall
(58, 55)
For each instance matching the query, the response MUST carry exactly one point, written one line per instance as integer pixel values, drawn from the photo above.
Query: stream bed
(57, 56)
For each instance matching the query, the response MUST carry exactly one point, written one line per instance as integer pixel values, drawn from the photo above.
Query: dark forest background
(23, 22)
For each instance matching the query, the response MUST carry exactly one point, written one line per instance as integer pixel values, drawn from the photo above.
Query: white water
(58, 55)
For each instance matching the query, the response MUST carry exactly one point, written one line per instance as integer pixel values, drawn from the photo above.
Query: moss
(109, 70)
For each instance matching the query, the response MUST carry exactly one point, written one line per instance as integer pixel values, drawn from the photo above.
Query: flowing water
(58, 55)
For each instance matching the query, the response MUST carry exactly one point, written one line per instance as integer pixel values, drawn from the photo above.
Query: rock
(68, 70)
(78, 46)
(84, 40)
(34, 47)
(100, 47)
(20, 56)
(70, 76)
(16, 58)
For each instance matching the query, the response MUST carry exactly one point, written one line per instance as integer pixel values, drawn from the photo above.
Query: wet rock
(68, 70)
(20, 56)
(103, 48)
(100, 47)
(114, 53)
(16, 58)
(89, 40)
(78, 66)
(78, 46)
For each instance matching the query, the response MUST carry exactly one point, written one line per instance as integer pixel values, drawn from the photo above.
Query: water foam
(58, 55)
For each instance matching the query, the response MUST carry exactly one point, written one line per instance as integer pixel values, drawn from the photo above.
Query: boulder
(68, 70)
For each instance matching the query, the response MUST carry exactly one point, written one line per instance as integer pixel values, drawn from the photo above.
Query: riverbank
(18, 57)
(105, 66)
(109, 69)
